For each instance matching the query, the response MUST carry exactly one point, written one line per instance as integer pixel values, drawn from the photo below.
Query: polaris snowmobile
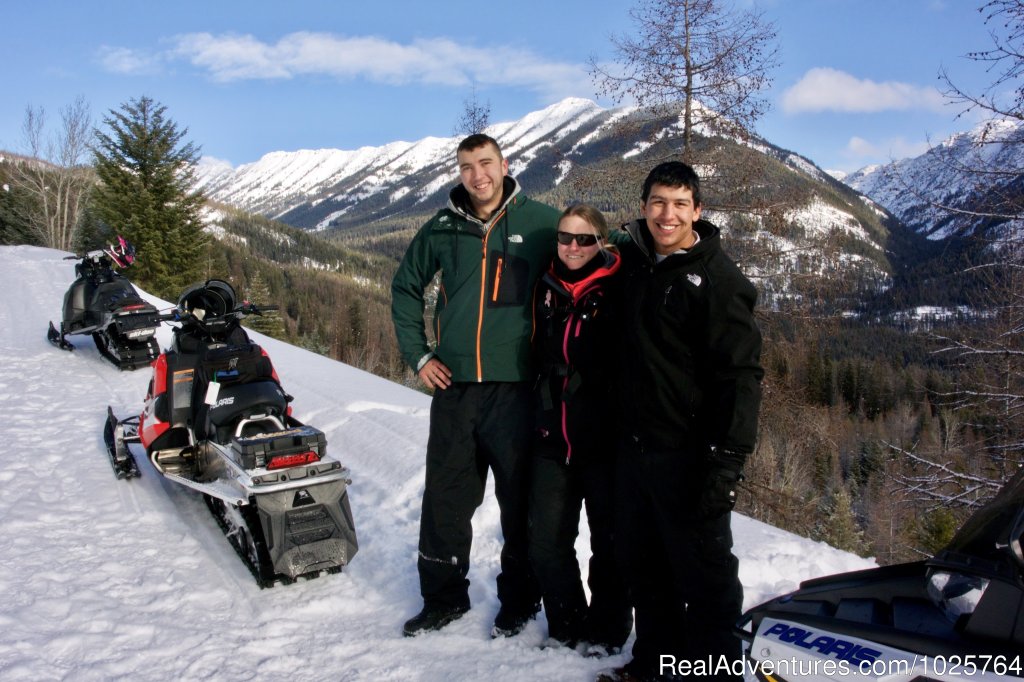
(958, 615)
(217, 421)
(103, 303)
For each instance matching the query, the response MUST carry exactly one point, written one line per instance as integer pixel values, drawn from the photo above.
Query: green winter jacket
(483, 320)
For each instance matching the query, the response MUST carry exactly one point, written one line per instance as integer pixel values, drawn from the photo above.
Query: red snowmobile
(217, 421)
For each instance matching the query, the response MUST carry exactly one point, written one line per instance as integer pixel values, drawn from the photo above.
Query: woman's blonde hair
(592, 217)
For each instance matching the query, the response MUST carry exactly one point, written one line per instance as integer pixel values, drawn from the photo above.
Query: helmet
(213, 298)
(121, 252)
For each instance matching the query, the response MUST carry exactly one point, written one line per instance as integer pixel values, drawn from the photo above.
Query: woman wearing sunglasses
(574, 448)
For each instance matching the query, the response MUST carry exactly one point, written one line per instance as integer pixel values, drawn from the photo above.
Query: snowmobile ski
(58, 339)
(117, 434)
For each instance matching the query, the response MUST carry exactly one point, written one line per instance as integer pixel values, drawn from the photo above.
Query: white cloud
(824, 89)
(435, 61)
(127, 61)
(891, 149)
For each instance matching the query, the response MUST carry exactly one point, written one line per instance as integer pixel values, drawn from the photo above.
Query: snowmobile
(102, 302)
(958, 615)
(217, 421)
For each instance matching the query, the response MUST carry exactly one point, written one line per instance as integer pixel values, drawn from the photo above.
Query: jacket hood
(641, 236)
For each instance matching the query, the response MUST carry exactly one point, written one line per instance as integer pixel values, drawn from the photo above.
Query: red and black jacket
(574, 318)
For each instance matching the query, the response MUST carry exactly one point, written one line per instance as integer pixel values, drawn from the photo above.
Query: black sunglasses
(565, 238)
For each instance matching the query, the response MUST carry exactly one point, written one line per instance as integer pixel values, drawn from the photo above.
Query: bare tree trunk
(56, 177)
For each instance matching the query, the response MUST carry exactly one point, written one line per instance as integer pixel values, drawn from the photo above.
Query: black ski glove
(719, 494)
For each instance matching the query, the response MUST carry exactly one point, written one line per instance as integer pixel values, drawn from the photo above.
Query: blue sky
(857, 81)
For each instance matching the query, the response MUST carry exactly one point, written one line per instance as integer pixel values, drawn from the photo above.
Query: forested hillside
(847, 395)
(333, 300)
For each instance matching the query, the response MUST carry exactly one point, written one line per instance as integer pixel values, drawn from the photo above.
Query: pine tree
(935, 529)
(145, 194)
(270, 322)
(839, 526)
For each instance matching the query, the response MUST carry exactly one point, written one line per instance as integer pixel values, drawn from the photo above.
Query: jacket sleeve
(417, 269)
(734, 343)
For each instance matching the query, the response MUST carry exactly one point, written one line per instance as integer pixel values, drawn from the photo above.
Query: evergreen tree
(839, 526)
(935, 529)
(146, 175)
(270, 322)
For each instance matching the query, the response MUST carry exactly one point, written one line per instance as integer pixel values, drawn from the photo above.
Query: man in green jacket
(490, 245)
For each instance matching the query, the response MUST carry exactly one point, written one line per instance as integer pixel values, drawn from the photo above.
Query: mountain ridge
(927, 192)
(383, 193)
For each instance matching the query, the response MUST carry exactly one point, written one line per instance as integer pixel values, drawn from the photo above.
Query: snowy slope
(105, 579)
(920, 189)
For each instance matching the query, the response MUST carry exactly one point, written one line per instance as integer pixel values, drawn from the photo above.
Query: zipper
(565, 385)
(437, 319)
(497, 280)
(483, 296)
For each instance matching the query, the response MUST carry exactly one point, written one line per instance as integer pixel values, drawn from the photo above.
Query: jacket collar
(641, 236)
(459, 202)
(573, 290)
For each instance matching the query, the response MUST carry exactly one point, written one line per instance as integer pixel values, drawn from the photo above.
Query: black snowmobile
(216, 420)
(958, 615)
(104, 303)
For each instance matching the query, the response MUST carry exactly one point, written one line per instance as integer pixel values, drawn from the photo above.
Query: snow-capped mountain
(825, 228)
(920, 190)
(132, 579)
(312, 188)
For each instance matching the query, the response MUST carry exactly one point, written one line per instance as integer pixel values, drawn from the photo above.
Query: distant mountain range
(920, 191)
(882, 226)
(809, 222)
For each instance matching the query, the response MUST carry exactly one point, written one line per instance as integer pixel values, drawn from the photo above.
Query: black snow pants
(474, 427)
(683, 577)
(557, 493)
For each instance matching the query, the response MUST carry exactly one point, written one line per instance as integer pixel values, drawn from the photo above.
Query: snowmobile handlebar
(242, 310)
(96, 255)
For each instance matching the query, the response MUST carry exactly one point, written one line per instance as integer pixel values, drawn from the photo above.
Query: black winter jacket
(690, 371)
(573, 345)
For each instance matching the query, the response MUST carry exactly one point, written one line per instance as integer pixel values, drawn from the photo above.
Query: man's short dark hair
(477, 140)
(673, 174)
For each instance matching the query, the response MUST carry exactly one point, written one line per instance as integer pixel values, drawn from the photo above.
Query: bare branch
(56, 178)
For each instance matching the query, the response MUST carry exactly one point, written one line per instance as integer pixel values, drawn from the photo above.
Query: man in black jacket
(690, 394)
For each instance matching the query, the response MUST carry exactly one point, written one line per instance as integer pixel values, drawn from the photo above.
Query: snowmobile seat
(232, 367)
(244, 400)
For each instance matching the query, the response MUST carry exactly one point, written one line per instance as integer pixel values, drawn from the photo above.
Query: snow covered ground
(104, 579)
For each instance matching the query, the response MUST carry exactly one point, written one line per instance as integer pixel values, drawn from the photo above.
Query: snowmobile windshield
(213, 298)
(994, 532)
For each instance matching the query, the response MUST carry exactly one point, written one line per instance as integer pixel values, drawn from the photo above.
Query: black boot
(432, 618)
(509, 622)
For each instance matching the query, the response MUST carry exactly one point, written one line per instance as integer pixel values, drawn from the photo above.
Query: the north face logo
(515, 238)
(694, 279)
